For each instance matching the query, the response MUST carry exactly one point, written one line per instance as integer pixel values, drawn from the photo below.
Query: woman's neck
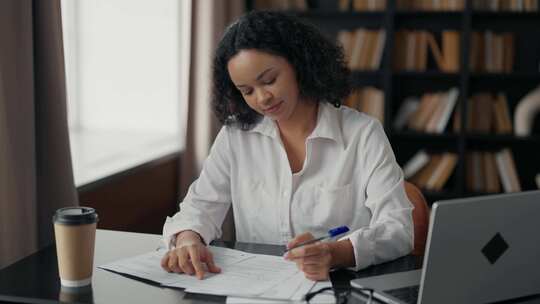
(302, 121)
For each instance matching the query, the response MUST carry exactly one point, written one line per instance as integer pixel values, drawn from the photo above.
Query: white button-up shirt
(350, 177)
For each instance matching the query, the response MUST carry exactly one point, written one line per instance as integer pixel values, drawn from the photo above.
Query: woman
(290, 160)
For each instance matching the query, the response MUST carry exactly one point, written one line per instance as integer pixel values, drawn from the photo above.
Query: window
(124, 82)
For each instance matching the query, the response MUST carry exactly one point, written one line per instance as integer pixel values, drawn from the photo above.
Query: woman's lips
(274, 108)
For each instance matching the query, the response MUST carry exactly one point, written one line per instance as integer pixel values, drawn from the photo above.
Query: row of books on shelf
(363, 48)
(421, 5)
(486, 113)
(488, 171)
(302, 5)
(412, 50)
(440, 5)
(506, 5)
(369, 100)
(430, 113)
(431, 5)
(485, 171)
(362, 5)
(491, 52)
(430, 171)
(298, 5)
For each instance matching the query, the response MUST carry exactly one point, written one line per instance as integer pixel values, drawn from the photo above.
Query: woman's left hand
(314, 260)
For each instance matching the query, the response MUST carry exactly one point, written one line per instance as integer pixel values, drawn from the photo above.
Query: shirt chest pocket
(258, 212)
(327, 207)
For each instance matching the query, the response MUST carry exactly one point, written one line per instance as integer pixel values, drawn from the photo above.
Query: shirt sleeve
(208, 199)
(390, 232)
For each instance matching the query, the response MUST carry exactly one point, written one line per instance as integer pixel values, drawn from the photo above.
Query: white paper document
(242, 274)
(322, 298)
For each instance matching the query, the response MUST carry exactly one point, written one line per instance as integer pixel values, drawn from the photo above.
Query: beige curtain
(35, 166)
(209, 19)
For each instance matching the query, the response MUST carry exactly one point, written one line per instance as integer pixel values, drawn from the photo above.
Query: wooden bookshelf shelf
(503, 139)
(426, 74)
(513, 76)
(424, 136)
(333, 20)
(497, 16)
(470, 193)
(366, 73)
(319, 13)
(506, 21)
(366, 78)
(429, 20)
(434, 196)
(428, 14)
(398, 85)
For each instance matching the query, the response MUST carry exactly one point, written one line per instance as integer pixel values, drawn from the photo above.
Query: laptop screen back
(482, 249)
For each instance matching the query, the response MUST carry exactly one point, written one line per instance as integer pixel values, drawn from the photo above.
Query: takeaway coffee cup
(75, 233)
(76, 294)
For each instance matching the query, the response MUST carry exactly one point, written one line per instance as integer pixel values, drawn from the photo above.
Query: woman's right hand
(189, 256)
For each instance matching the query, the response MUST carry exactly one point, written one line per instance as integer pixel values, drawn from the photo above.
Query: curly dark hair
(319, 63)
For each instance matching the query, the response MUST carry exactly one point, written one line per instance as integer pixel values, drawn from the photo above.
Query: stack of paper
(268, 277)
(322, 298)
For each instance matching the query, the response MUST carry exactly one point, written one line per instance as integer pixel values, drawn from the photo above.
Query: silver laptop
(479, 250)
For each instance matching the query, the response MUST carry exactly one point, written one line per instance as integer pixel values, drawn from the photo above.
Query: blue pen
(331, 233)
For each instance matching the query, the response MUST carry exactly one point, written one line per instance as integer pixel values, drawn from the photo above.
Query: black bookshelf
(399, 84)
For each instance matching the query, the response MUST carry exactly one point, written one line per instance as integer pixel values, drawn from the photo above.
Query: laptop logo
(495, 248)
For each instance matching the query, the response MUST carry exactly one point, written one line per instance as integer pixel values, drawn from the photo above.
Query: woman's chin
(278, 117)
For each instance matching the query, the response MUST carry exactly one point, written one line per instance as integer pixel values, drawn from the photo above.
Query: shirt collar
(328, 125)
(266, 127)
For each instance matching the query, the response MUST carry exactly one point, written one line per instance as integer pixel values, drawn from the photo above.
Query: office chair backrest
(420, 217)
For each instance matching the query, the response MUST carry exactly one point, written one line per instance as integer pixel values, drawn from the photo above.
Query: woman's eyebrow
(258, 77)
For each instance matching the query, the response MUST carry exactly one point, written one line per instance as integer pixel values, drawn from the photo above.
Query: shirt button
(285, 193)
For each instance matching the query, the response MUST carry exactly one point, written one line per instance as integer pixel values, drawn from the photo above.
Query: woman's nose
(263, 96)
